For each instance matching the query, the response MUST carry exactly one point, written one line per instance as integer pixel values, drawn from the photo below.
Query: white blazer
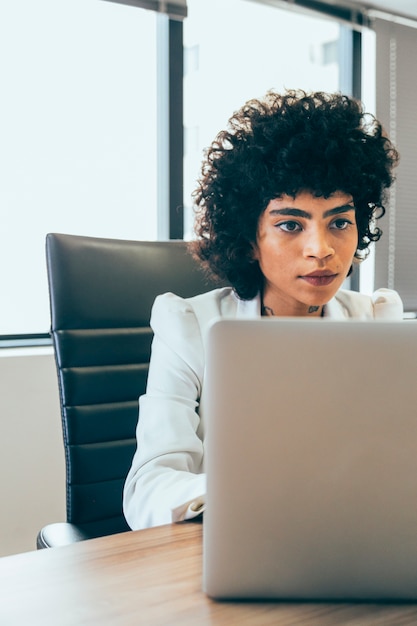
(166, 482)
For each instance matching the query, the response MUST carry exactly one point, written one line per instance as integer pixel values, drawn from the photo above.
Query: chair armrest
(61, 534)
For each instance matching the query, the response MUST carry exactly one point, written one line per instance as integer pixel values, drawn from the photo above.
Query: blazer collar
(248, 308)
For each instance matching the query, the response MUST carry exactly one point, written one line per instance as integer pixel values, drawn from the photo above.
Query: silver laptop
(311, 460)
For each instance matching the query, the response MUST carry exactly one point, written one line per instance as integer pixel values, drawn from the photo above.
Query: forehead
(307, 200)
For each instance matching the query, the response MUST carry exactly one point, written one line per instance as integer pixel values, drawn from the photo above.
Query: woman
(287, 202)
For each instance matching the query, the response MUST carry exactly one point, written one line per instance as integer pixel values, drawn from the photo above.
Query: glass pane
(78, 137)
(237, 50)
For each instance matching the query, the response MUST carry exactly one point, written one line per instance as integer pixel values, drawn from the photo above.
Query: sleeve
(387, 305)
(166, 482)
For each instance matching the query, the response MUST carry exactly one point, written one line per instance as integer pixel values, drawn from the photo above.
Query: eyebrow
(293, 212)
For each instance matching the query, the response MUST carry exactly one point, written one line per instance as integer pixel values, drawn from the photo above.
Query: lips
(319, 278)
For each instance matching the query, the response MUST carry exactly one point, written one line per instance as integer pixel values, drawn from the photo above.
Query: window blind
(175, 9)
(396, 97)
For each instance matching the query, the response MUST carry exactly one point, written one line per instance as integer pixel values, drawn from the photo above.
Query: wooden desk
(150, 577)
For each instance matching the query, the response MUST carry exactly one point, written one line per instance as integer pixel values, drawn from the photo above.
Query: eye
(341, 223)
(289, 227)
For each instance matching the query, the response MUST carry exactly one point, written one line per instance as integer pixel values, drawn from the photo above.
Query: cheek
(350, 246)
(355, 243)
(270, 253)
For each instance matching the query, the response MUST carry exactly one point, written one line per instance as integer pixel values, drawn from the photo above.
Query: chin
(324, 298)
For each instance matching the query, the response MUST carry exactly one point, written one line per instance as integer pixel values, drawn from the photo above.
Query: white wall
(32, 464)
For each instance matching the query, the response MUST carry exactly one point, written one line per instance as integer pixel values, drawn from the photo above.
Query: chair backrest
(101, 294)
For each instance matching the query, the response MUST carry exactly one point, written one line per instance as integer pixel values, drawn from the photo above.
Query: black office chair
(101, 294)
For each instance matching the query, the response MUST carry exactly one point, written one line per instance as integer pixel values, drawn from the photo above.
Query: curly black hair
(285, 144)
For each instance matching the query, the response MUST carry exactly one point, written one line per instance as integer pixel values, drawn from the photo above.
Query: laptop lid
(311, 459)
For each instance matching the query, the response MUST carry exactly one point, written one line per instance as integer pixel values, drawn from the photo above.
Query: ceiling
(404, 8)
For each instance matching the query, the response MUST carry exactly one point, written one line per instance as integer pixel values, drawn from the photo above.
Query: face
(305, 248)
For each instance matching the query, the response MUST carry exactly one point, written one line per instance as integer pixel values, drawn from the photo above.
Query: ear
(255, 252)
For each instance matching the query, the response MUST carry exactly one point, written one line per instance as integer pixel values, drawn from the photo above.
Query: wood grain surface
(151, 577)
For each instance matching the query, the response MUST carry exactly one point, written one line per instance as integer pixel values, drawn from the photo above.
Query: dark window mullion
(350, 64)
(176, 131)
(356, 93)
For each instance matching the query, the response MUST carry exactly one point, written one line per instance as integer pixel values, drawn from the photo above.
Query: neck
(283, 311)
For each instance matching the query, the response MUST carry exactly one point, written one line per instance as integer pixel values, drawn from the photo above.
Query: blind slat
(396, 94)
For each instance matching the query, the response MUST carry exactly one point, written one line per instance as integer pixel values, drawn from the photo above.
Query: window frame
(171, 146)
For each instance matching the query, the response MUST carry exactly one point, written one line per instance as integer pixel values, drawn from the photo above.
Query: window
(78, 137)
(236, 61)
(83, 122)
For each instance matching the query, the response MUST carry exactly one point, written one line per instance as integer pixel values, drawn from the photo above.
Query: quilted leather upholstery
(101, 294)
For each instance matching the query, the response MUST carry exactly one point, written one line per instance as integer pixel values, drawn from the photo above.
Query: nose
(318, 244)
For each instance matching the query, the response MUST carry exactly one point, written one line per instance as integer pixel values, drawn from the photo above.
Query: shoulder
(215, 301)
(189, 317)
(382, 304)
(180, 324)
